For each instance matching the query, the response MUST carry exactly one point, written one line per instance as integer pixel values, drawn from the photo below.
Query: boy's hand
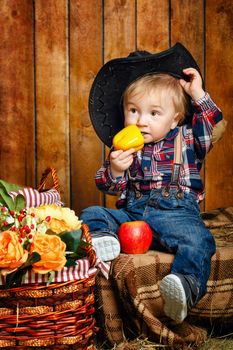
(193, 87)
(121, 161)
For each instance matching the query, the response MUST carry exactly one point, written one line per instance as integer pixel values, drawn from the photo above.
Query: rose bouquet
(43, 239)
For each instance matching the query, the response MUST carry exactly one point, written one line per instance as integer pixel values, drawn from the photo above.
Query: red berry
(26, 228)
(32, 226)
(20, 240)
(48, 218)
(33, 215)
(22, 211)
(12, 212)
(22, 234)
(5, 223)
(3, 209)
(20, 218)
(30, 236)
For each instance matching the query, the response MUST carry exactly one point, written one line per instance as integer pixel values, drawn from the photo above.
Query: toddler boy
(163, 95)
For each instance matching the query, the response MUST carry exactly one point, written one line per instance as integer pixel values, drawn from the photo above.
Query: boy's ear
(176, 120)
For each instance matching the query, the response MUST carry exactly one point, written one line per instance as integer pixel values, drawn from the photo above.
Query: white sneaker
(174, 297)
(107, 247)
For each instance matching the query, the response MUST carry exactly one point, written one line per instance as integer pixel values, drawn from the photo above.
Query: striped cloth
(35, 198)
(81, 270)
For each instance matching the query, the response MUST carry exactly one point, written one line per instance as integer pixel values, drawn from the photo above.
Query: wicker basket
(57, 316)
(45, 177)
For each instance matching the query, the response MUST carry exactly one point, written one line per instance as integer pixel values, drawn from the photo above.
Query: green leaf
(14, 279)
(81, 250)
(32, 258)
(75, 246)
(72, 239)
(70, 262)
(78, 254)
(19, 202)
(6, 199)
(8, 187)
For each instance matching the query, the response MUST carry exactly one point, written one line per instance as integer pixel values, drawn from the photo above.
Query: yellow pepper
(129, 137)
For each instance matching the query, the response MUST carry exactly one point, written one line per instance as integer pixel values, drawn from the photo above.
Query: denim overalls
(174, 216)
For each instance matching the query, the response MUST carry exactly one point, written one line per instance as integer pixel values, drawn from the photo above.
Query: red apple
(135, 237)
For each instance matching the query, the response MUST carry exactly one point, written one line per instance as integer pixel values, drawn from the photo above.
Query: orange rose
(52, 253)
(12, 254)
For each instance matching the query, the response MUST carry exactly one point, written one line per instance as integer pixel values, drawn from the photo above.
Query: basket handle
(90, 251)
(44, 177)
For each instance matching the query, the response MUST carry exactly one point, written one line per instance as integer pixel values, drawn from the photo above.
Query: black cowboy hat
(105, 100)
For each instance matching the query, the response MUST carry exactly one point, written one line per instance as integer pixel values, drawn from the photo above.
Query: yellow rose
(52, 253)
(12, 254)
(59, 219)
(58, 226)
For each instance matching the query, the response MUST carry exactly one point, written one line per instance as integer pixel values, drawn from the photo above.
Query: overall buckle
(166, 192)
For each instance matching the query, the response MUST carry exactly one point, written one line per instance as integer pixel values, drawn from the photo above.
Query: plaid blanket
(130, 303)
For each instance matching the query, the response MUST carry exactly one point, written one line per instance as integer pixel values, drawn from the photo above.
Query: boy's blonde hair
(164, 83)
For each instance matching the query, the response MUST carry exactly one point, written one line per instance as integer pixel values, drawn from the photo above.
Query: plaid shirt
(152, 166)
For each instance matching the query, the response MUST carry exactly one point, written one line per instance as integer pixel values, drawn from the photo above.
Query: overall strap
(177, 158)
(176, 167)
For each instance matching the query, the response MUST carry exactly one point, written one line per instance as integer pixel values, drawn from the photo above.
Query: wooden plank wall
(50, 52)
